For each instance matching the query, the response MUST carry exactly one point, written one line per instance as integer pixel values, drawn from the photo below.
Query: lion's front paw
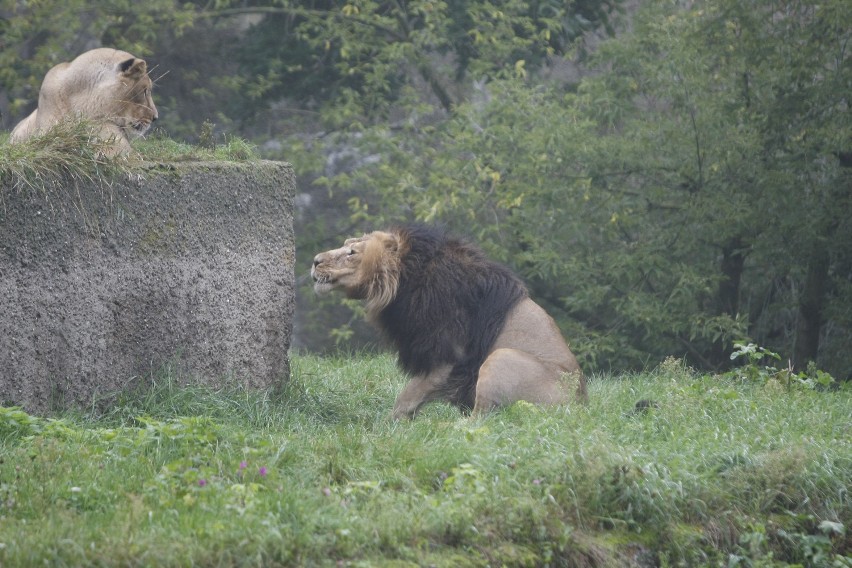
(399, 414)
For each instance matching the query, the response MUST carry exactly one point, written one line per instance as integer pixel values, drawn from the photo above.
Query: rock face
(187, 266)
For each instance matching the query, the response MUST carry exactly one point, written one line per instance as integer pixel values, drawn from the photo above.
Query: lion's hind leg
(510, 375)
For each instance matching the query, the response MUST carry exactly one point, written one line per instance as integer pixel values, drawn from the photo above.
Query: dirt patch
(186, 265)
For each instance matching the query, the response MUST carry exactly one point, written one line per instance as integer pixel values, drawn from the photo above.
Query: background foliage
(667, 190)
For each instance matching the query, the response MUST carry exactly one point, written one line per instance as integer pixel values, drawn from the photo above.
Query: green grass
(158, 147)
(69, 151)
(720, 473)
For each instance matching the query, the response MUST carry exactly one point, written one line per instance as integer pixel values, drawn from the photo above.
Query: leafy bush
(751, 369)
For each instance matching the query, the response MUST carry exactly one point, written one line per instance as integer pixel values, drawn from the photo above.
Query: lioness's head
(134, 110)
(364, 268)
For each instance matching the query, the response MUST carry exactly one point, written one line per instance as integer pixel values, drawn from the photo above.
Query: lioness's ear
(133, 68)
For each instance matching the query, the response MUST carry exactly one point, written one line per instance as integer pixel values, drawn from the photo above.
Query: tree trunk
(728, 294)
(811, 303)
(733, 261)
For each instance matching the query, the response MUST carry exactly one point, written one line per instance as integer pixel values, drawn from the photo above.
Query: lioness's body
(109, 87)
(464, 327)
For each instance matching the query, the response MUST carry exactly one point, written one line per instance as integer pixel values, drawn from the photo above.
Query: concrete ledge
(184, 264)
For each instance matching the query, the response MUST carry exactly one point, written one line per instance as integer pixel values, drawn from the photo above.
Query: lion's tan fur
(108, 87)
(379, 271)
(527, 360)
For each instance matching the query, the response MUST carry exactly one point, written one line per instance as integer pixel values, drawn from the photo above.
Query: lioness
(107, 86)
(464, 327)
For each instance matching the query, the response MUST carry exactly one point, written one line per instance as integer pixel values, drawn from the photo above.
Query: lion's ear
(133, 68)
(391, 242)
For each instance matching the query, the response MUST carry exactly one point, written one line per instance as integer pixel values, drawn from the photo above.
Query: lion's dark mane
(450, 306)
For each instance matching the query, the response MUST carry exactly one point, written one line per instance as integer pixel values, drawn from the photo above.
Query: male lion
(464, 328)
(111, 88)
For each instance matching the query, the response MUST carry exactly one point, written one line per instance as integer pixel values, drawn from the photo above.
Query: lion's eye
(351, 252)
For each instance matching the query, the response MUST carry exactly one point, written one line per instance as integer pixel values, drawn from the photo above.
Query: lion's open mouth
(322, 283)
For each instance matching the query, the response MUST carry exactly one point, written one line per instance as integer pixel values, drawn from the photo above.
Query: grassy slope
(172, 477)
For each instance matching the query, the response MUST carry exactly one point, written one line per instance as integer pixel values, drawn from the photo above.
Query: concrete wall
(187, 265)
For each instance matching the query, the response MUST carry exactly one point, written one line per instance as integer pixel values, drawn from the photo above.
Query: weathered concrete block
(185, 264)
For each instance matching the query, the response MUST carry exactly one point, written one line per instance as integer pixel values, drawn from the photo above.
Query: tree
(688, 195)
(364, 58)
(374, 72)
(693, 190)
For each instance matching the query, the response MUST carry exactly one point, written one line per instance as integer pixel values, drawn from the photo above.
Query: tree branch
(422, 65)
(307, 13)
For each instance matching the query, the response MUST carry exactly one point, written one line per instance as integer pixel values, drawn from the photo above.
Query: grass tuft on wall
(71, 151)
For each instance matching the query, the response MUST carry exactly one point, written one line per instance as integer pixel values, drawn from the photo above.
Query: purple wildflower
(243, 465)
(202, 482)
(262, 471)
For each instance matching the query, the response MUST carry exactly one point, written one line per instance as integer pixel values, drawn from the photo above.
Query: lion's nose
(316, 261)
